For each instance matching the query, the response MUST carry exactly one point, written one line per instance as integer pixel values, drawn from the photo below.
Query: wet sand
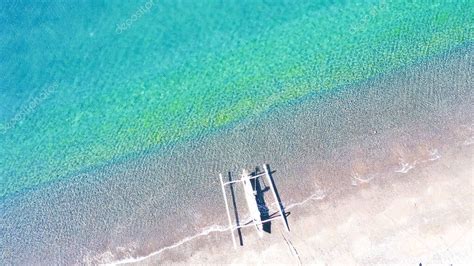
(423, 215)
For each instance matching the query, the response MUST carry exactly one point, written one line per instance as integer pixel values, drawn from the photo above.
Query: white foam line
(315, 196)
(406, 167)
(356, 177)
(211, 229)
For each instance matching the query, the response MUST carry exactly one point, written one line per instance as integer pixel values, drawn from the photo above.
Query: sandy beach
(421, 216)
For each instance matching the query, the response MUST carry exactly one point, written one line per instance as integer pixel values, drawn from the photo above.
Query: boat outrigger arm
(251, 200)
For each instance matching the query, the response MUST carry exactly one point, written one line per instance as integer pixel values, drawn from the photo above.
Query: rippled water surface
(113, 115)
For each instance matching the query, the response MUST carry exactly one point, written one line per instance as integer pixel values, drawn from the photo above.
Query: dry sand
(422, 216)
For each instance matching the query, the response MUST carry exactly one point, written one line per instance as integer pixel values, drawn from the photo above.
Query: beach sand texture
(422, 216)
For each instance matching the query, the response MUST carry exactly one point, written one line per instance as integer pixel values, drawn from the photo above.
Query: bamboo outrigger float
(250, 197)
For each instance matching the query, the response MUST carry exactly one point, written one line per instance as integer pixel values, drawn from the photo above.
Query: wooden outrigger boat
(250, 197)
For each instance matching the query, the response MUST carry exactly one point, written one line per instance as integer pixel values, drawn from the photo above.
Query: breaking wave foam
(407, 166)
(319, 195)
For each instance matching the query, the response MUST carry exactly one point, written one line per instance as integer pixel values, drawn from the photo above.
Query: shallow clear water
(107, 129)
(181, 69)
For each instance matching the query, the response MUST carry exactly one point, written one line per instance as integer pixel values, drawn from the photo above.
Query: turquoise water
(181, 69)
(107, 126)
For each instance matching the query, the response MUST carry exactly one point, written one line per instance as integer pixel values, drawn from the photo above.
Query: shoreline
(122, 210)
(406, 208)
(411, 160)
